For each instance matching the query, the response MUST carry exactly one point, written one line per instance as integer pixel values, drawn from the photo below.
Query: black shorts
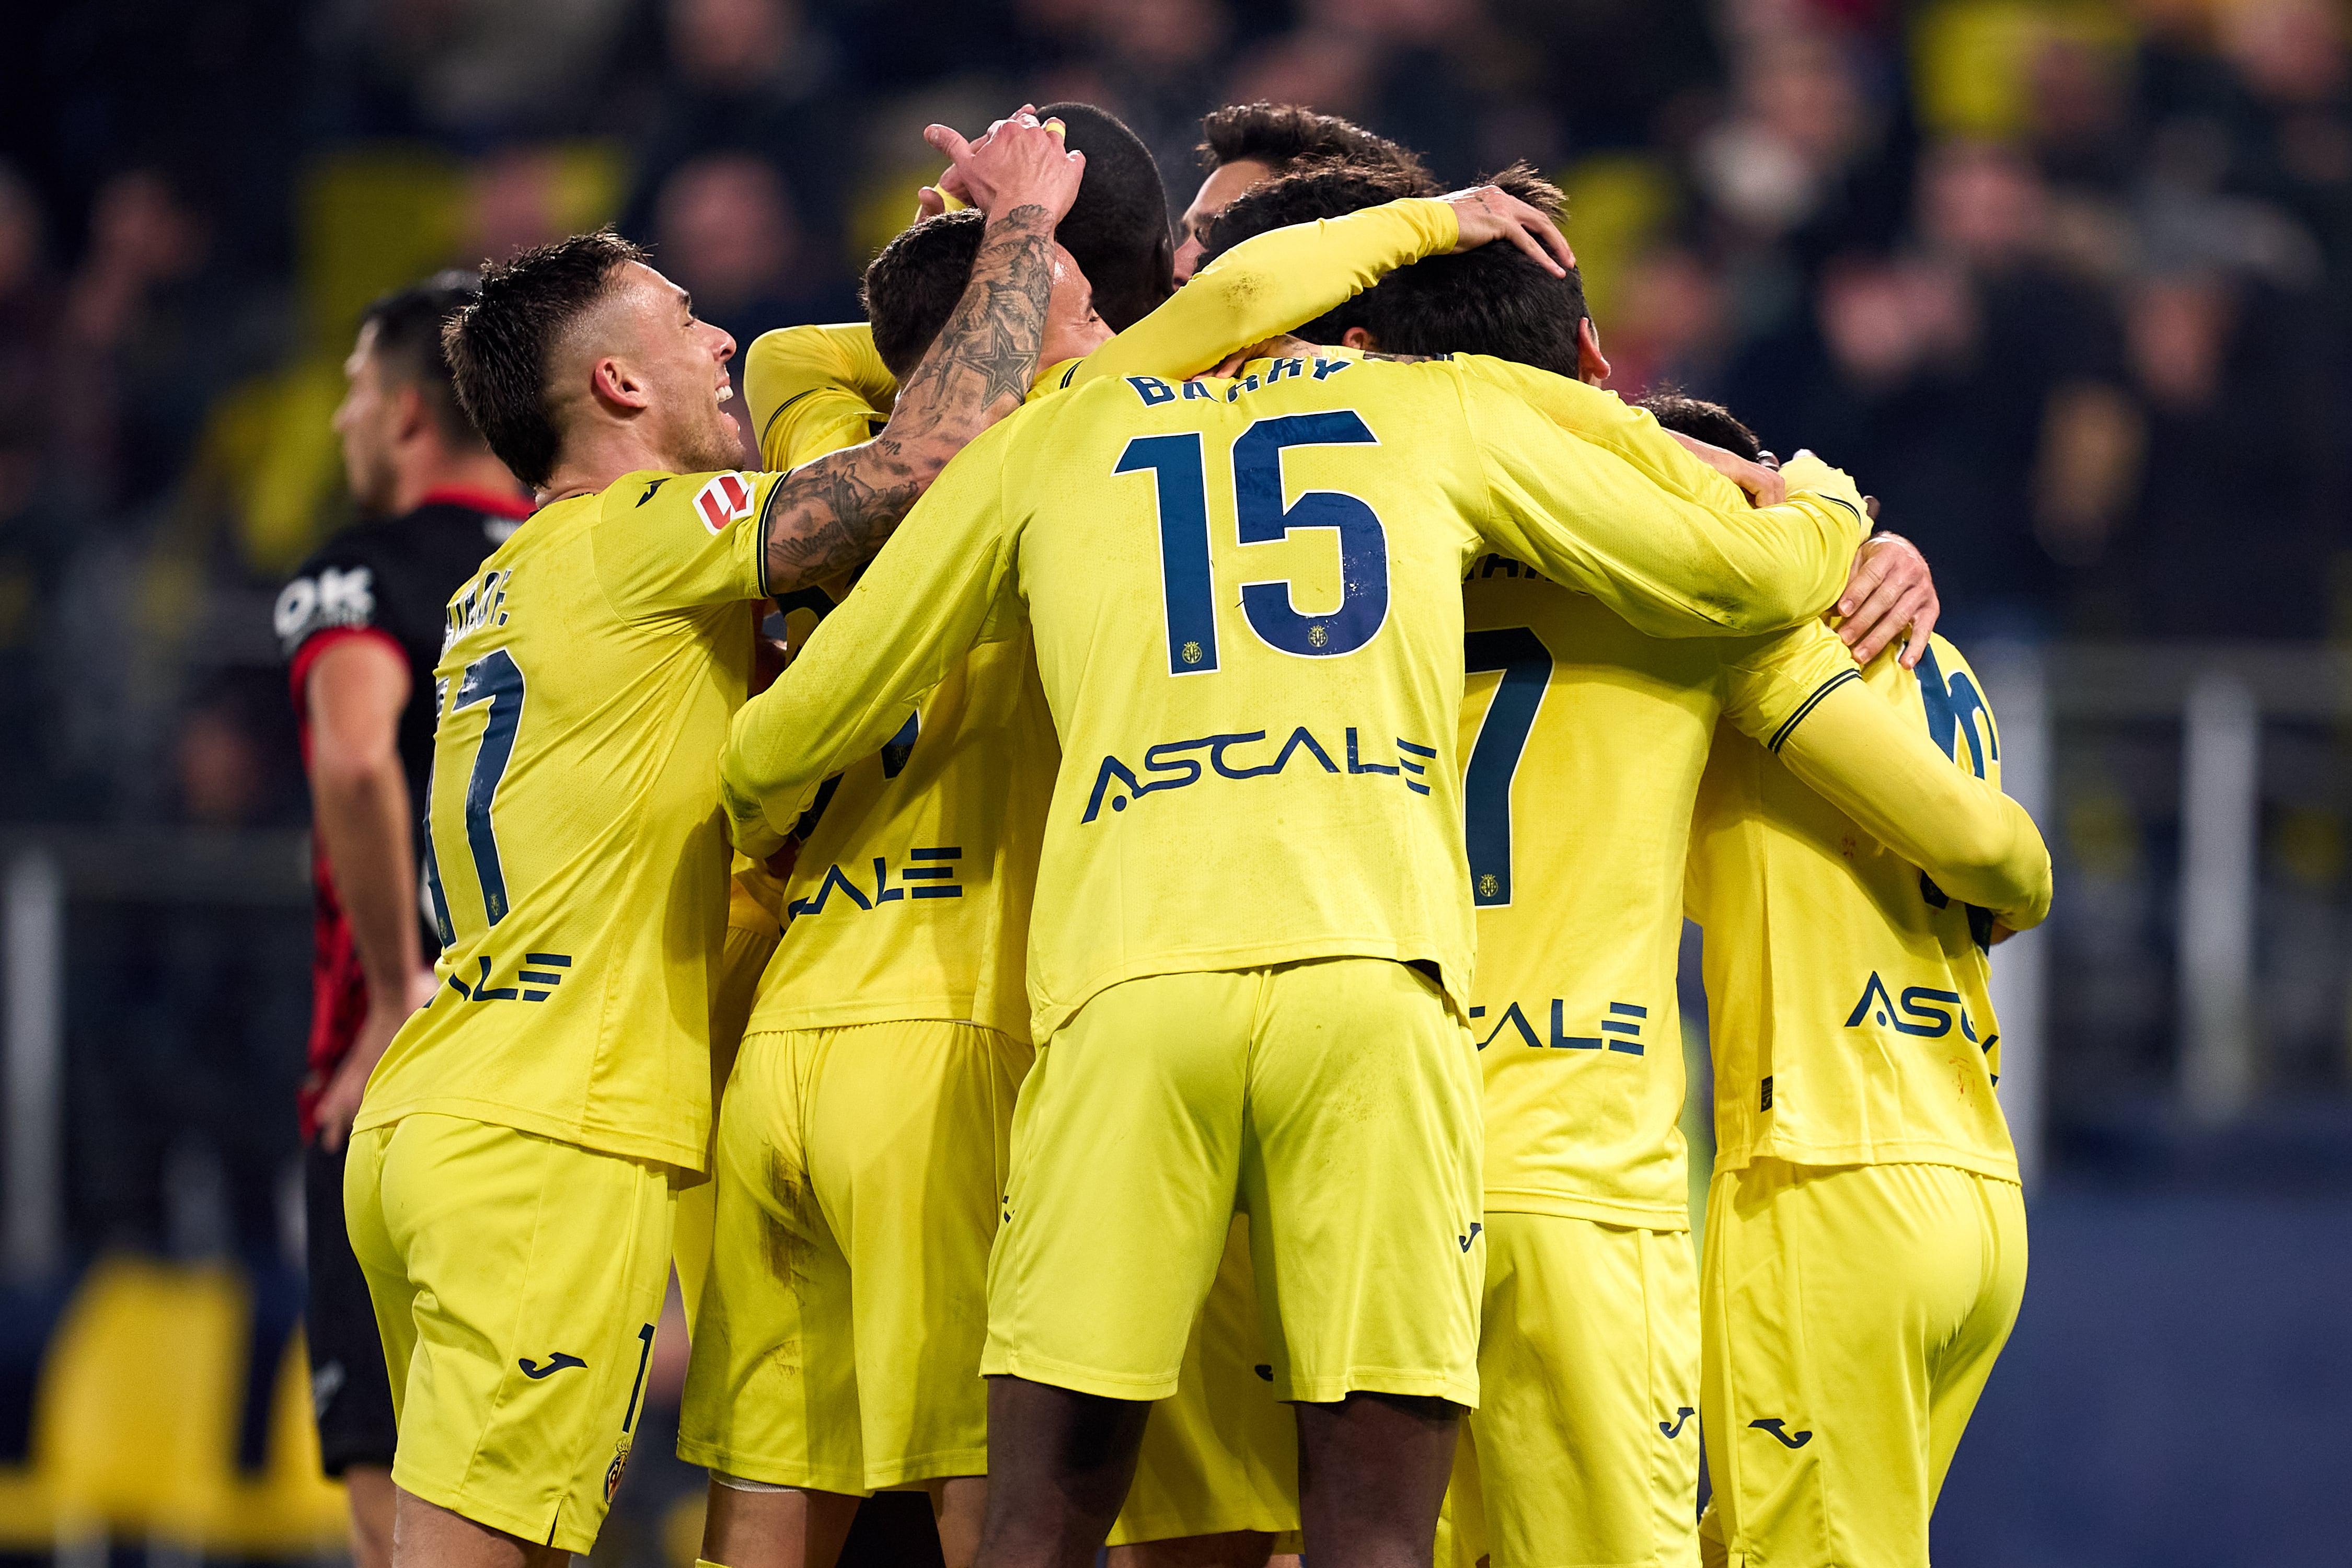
(350, 1393)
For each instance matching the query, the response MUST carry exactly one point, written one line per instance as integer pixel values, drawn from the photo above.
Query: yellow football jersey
(1245, 601)
(1583, 742)
(575, 859)
(910, 895)
(1848, 990)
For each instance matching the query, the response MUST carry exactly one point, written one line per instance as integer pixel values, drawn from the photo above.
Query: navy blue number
(497, 679)
(1263, 518)
(1187, 592)
(1526, 665)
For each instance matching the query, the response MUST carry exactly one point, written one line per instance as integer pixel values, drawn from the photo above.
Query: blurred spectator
(469, 69)
(2240, 513)
(750, 76)
(726, 231)
(152, 331)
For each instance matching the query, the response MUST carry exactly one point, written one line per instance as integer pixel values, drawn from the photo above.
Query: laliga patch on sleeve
(725, 499)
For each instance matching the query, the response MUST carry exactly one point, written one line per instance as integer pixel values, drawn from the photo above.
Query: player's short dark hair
(1324, 188)
(499, 345)
(1116, 230)
(1703, 421)
(408, 348)
(1285, 135)
(1492, 300)
(911, 288)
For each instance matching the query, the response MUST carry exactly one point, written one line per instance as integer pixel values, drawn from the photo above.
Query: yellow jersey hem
(1998, 1167)
(653, 1151)
(1050, 1016)
(1411, 1383)
(938, 1009)
(1600, 1211)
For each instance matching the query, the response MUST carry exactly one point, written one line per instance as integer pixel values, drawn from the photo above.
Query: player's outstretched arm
(1798, 695)
(1275, 281)
(939, 588)
(1668, 564)
(836, 511)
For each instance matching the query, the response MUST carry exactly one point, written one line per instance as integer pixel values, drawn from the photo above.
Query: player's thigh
(1826, 1290)
(1125, 1158)
(539, 1270)
(391, 1296)
(1963, 1365)
(1220, 1454)
(1588, 1373)
(1361, 1175)
(908, 1132)
(350, 1392)
(771, 1392)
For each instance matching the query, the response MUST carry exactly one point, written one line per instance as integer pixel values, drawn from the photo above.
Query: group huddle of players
(1080, 1102)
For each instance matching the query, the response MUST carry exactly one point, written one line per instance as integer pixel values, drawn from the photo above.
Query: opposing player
(509, 1189)
(360, 626)
(1865, 1242)
(1582, 1449)
(869, 1115)
(1247, 958)
(1246, 144)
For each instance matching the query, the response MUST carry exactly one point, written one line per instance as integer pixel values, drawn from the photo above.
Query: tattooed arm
(833, 513)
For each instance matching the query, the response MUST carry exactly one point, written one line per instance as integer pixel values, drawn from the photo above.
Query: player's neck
(593, 460)
(474, 471)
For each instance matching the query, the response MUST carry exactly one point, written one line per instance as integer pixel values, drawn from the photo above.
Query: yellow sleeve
(937, 588)
(1267, 285)
(1806, 472)
(814, 390)
(673, 541)
(1590, 519)
(1800, 697)
(1612, 424)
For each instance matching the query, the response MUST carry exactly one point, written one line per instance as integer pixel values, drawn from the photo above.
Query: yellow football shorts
(1584, 1448)
(751, 937)
(517, 1281)
(1220, 1454)
(860, 1170)
(1851, 1315)
(1337, 1102)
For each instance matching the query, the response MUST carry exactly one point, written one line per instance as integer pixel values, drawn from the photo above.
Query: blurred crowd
(2066, 283)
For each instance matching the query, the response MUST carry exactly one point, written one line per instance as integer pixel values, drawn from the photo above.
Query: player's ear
(410, 417)
(617, 385)
(1360, 338)
(1590, 368)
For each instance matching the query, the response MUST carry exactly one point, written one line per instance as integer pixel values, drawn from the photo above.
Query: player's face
(367, 421)
(1216, 193)
(683, 360)
(1072, 331)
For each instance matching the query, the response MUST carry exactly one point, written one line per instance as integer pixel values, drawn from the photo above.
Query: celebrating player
(1246, 144)
(1582, 1447)
(1247, 960)
(360, 627)
(869, 1116)
(509, 1187)
(1865, 1239)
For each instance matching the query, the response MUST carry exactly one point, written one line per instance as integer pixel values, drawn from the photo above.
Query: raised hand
(1488, 213)
(1018, 162)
